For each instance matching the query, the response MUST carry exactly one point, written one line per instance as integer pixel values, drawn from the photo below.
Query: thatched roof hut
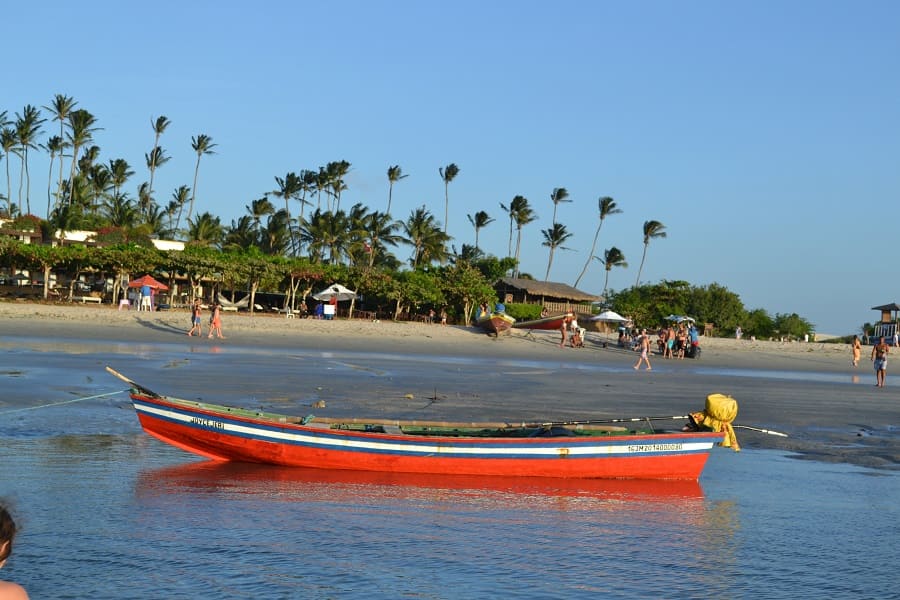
(555, 297)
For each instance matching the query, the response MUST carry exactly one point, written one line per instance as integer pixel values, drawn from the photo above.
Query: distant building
(554, 297)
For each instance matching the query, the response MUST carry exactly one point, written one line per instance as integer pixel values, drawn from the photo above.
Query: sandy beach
(831, 410)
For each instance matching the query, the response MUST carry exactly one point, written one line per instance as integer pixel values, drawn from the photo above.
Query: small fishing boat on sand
(570, 449)
(496, 322)
(551, 323)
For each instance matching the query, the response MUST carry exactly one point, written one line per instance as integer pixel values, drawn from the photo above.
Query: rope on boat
(15, 410)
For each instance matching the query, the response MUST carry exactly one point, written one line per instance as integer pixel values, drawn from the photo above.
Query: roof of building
(548, 288)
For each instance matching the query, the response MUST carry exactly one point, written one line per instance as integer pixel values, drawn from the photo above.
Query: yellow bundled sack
(719, 414)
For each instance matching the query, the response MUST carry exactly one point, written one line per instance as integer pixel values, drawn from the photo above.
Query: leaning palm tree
(28, 126)
(652, 229)
(448, 174)
(479, 221)
(523, 215)
(553, 239)
(61, 107)
(202, 144)
(153, 158)
(607, 207)
(556, 196)
(180, 197)
(259, 208)
(394, 175)
(611, 258)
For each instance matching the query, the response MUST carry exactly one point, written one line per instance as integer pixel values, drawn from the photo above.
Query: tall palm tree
(652, 229)
(337, 171)
(611, 258)
(523, 215)
(607, 206)
(554, 238)
(380, 231)
(202, 144)
(55, 147)
(423, 233)
(289, 187)
(556, 196)
(28, 126)
(8, 144)
(479, 221)
(394, 175)
(82, 126)
(327, 230)
(448, 174)
(153, 159)
(61, 107)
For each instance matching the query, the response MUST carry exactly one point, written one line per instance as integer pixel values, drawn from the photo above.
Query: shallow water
(108, 512)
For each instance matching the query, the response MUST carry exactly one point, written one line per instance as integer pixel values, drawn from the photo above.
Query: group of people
(572, 332)
(671, 343)
(215, 320)
(878, 357)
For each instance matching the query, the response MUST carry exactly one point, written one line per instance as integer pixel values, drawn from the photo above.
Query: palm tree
(55, 147)
(120, 211)
(556, 196)
(206, 230)
(28, 126)
(394, 175)
(259, 208)
(80, 133)
(380, 231)
(120, 171)
(480, 220)
(61, 107)
(326, 230)
(289, 188)
(180, 197)
(607, 206)
(242, 235)
(523, 215)
(611, 258)
(156, 157)
(8, 143)
(337, 171)
(652, 229)
(424, 234)
(448, 174)
(553, 239)
(202, 144)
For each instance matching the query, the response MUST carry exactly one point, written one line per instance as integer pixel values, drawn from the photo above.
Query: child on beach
(196, 323)
(857, 348)
(215, 322)
(8, 590)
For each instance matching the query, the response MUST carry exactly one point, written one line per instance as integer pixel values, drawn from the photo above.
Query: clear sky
(765, 135)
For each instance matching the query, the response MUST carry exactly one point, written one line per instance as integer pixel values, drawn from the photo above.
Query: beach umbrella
(335, 289)
(609, 316)
(147, 280)
(679, 318)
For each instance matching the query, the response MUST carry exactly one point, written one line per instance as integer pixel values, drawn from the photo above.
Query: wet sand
(831, 410)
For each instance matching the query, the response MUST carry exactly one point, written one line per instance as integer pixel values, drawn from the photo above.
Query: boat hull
(219, 435)
(496, 323)
(553, 323)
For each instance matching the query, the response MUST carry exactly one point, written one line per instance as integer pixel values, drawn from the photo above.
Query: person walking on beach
(196, 323)
(645, 351)
(857, 348)
(8, 589)
(879, 359)
(215, 322)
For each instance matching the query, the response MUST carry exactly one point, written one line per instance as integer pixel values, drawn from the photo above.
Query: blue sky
(764, 135)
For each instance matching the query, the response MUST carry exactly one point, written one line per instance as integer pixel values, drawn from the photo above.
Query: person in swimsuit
(857, 348)
(879, 361)
(215, 322)
(645, 351)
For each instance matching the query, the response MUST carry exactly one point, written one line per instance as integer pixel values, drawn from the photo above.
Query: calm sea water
(108, 512)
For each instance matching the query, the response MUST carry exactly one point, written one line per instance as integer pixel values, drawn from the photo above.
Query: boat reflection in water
(294, 484)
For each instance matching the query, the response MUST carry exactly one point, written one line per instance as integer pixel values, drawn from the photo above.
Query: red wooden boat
(482, 449)
(551, 323)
